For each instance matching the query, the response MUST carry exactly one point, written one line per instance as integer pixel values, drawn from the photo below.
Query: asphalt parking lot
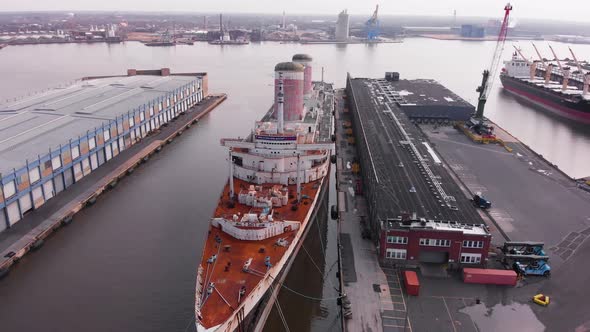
(448, 304)
(532, 201)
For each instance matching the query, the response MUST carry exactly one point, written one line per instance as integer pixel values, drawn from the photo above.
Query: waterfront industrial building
(51, 140)
(342, 26)
(425, 100)
(416, 209)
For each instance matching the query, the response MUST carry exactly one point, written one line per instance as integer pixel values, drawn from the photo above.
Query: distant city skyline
(541, 9)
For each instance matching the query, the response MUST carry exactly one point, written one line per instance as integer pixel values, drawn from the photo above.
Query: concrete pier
(36, 226)
(372, 303)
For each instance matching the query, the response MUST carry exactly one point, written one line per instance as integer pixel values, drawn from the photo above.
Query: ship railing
(263, 172)
(261, 232)
(198, 292)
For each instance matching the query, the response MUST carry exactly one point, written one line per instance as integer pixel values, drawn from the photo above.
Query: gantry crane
(486, 84)
(373, 25)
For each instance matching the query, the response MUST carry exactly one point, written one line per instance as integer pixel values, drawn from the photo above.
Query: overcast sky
(570, 10)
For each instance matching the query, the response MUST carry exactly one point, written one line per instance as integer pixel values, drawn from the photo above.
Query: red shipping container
(490, 276)
(412, 283)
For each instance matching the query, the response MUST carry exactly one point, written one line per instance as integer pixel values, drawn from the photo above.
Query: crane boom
(372, 25)
(556, 58)
(486, 85)
(499, 47)
(375, 13)
(539, 54)
(576, 60)
(521, 55)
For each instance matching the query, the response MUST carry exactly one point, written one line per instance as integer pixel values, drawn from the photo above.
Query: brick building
(422, 241)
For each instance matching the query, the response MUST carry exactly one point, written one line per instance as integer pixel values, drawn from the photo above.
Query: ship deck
(227, 272)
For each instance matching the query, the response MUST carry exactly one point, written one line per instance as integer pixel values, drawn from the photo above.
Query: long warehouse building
(51, 140)
(417, 211)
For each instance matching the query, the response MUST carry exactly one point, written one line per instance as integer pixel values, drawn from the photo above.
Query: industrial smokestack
(566, 77)
(284, 21)
(548, 71)
(280, 106)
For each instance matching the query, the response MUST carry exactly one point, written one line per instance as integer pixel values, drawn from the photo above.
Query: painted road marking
(449, 312)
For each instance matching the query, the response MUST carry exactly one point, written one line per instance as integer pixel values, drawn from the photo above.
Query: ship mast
(231, 176)
(298, 179)
(280, 106)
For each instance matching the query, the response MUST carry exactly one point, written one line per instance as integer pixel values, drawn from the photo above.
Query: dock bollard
(91, 200)
(37, 244)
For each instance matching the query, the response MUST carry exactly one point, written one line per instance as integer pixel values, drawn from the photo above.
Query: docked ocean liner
(552, 85)
(277, 177)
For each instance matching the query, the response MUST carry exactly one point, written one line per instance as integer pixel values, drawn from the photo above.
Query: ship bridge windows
(237, 160)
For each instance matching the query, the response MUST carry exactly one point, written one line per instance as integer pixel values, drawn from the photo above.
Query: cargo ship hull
(571, 107)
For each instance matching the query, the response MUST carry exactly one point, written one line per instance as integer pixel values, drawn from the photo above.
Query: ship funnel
(586, 83)
(292, 74)
(548, 71)
(305, 60)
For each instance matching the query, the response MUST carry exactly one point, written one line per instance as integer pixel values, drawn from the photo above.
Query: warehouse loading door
(438, 257)
(2, 220)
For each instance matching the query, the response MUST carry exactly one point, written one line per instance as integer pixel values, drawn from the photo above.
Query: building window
(55, 162)
(131, 122)
(470, 258)
(75, 152)
(107, 135)
(435, 242)
(472, 244)
(396, 253)
(34, 175)
(121, 143)
(92, 143)
(396, 239)
(9, 189)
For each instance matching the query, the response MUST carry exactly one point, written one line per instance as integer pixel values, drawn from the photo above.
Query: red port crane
(486, 84)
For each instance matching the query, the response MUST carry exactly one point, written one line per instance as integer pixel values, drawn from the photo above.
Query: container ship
(278, 177)
(552, 85)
